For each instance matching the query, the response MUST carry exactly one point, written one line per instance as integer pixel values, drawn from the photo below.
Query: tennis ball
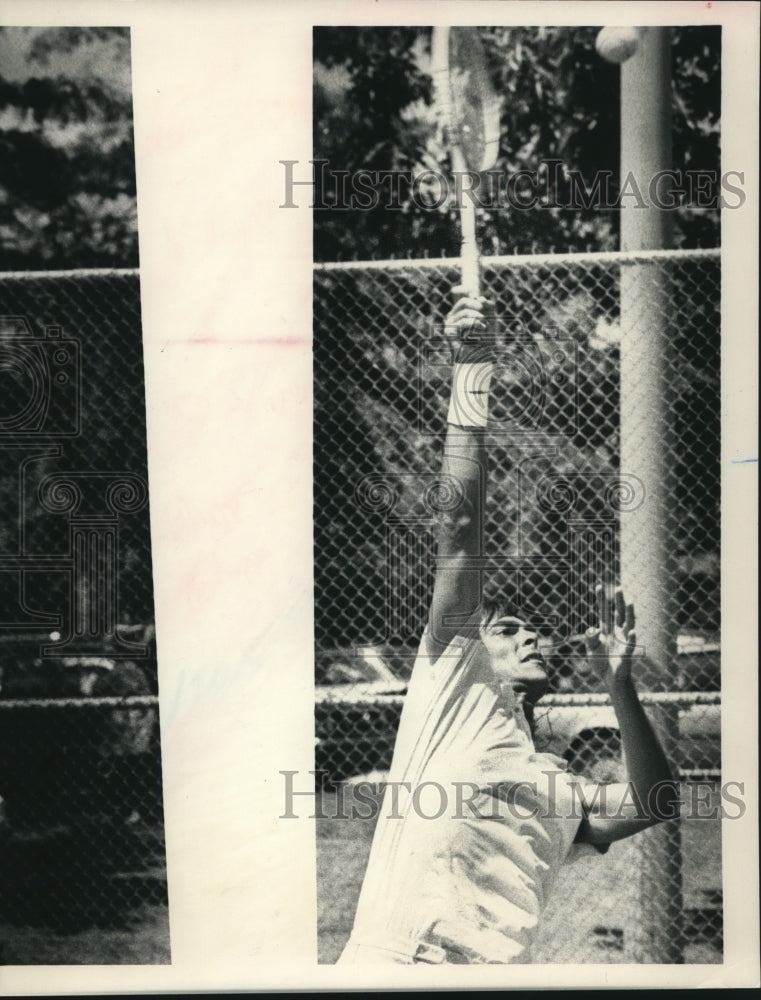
(617, 44)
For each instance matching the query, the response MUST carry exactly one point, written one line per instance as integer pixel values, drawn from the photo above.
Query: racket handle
(468, 246)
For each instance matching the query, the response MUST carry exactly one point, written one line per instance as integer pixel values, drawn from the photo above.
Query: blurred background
(67, 157)
(557, 490)
(82, 859)
(373, 110)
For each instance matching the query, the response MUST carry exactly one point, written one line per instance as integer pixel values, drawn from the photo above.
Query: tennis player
(475, 823)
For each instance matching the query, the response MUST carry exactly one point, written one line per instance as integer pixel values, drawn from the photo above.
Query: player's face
(515, 656)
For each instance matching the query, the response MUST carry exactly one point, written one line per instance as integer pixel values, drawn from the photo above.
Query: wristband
(469, 403)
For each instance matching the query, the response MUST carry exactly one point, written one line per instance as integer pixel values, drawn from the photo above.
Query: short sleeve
(435, 690)
(580, 848)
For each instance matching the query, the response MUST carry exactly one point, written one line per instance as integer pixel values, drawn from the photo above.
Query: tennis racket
(469, 111)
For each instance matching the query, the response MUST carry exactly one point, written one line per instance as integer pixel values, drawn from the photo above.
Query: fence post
(654, 930)
(655, 935)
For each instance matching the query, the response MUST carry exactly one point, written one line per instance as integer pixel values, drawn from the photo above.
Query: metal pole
(645, 150)
(655, 935)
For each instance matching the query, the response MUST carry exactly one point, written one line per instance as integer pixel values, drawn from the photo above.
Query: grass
(588, 920)
(144, 942)
(84, 896)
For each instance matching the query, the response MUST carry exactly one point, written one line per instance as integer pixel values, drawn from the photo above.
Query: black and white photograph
(378, 421)
(517, 344)
(82, 857)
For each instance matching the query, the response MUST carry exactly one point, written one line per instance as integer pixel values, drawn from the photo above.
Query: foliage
(67, 180)
(373, 111)
(67, 162)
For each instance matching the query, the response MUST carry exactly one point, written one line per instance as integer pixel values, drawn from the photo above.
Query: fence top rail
(75, 272)
(113, 701)
(340, 695)
(524, 260)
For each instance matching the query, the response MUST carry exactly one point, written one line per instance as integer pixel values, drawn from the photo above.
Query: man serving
(475, 823)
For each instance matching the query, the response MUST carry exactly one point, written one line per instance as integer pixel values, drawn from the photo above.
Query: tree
(373, 111)
(375, 403)
(67, 162)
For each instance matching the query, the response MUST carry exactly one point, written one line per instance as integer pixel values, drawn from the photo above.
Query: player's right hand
(469, 327)
(469, 315)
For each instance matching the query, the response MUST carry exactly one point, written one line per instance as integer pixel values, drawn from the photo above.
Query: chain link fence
(557, 499)
(80, 764)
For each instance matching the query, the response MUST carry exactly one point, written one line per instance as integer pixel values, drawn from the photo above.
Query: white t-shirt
(465, 853)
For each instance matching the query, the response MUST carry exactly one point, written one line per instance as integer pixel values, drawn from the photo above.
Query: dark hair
(492, 608)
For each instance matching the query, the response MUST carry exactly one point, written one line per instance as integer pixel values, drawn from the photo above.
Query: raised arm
(651, 793)
(457, 587)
